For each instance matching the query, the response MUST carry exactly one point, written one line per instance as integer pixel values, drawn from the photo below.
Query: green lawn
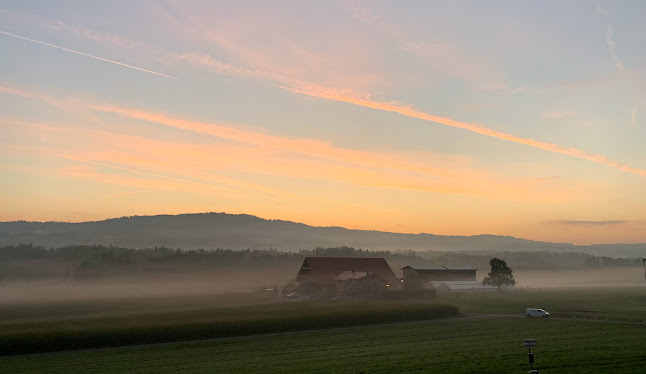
(628, 303)
(482, 345)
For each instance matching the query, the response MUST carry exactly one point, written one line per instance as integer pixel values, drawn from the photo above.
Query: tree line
(26, 261)
(539, 260)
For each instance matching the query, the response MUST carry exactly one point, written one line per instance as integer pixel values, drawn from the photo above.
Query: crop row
(33, 342)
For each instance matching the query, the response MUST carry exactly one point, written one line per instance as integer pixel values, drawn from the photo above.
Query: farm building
(318, 275)
(462, 286)
(441, 273)
(448, 278)
(352, 284)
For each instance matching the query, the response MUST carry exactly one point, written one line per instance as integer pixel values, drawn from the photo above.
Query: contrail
(181, 180)
(85, 54)
(408, 111)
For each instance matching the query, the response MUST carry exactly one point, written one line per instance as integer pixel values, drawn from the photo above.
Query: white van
(533, 312)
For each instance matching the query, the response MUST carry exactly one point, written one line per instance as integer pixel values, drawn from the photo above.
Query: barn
(449, 278)
(318, 276)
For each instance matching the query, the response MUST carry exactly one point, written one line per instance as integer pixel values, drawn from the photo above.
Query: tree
(500, 274)
(290, 287)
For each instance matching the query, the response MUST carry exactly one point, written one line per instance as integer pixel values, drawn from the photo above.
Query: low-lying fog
(128, 287)
(607, 277)
(12, 292)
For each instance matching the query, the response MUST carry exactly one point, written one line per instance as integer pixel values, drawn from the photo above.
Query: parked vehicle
(534, 312)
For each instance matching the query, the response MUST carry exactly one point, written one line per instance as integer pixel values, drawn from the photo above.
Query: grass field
(627, 303)
(40, 332)
(462, 345)
(601, 330)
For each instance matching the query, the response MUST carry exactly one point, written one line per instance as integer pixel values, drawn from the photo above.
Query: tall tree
(500, 274)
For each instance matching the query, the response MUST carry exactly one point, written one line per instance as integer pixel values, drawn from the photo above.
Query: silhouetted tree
(290, 287)
(500, 274)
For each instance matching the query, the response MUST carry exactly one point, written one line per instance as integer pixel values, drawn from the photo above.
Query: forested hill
(221, 230)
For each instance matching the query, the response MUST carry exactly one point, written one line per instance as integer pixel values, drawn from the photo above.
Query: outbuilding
(441, 273)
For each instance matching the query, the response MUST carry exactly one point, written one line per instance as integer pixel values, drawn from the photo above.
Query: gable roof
(323, 270)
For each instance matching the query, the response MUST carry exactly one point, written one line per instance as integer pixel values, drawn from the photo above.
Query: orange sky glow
(344, 114)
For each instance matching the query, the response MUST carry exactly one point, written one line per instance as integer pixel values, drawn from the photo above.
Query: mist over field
(132, 287)
(53, 280)
(629, 276)
(222, 284)
(164, 260)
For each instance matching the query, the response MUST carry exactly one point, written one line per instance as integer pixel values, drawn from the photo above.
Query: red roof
(323, 270)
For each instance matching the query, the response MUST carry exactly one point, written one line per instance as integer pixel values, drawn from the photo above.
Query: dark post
(530, 356)
(529, 343)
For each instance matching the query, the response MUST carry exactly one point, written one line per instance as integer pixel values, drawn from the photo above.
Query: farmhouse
(318, 276)
(351, 284)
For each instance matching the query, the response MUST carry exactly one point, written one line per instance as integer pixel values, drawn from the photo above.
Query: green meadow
(593, 330)
(626, 304)
(124, 324)
(460, 345)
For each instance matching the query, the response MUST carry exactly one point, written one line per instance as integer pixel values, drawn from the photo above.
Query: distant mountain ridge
(242, 231)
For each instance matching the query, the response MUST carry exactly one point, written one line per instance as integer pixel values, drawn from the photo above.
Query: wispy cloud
(351, 97)
(359, 13)
(448, 59)
(601, 11)
(311, 147)
(284, 81)
(585, 223)
(136, 156)
(545, 179)
(182, 180)
(90, 34)
(262, 155)
(611, 47)
(85, 54)
(60, 103)
(137, 192)
(556, 115)
(214, 65)
(154, 175)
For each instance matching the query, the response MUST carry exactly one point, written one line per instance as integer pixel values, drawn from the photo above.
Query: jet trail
(408, 111)
(85, 54)
(182, 180)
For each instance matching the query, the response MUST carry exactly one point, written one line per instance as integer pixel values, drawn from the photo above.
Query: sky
(446, 117)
